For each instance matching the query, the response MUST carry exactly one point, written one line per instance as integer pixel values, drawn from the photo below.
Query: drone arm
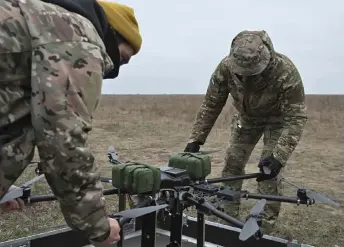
(285, 199)
(209, 209)
(229, 178)
(44, 198)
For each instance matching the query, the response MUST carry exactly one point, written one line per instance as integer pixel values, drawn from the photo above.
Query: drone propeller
(251, 225)
(310, 194)
(137, 212)
(17, 192)
(316, 196)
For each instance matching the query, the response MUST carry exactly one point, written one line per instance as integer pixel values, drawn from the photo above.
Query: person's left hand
(271, 163)
(11, 205)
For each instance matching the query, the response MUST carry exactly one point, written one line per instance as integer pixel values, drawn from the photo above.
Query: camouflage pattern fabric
(52, 64)
(276, 93)
(245, 135)
(249, 55)
(270, 103)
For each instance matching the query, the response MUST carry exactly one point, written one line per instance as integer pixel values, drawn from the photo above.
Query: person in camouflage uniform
(268, 94)
(54, 56)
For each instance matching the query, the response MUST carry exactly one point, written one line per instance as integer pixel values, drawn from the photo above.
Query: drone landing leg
(200, 229)
(148, 230)
(121, 207)
(176, 224)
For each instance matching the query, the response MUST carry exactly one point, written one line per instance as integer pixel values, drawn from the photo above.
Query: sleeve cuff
(195, 141)
(102, 237)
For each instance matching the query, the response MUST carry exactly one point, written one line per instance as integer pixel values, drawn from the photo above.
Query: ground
(151, 128)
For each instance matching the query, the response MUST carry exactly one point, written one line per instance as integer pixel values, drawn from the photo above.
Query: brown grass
(150, 128)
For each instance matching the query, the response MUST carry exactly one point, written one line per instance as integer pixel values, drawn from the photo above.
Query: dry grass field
(151, 128)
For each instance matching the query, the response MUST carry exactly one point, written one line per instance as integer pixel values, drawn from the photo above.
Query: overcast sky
(183, 41)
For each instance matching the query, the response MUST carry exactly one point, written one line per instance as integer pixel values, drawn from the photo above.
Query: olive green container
(136, 178)
(197, 165)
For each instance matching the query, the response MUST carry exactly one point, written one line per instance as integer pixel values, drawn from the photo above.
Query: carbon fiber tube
(230, 179)
(112, 191)
(228, 218)
(105, 179)
(275, 198)
(206, 206)
(50, 197)
(41, 198)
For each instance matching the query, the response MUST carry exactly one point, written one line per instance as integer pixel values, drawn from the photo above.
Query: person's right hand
(12, 205)
(114, 233)
(192, 147)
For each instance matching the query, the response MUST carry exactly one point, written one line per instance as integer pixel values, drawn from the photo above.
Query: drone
(178, 191)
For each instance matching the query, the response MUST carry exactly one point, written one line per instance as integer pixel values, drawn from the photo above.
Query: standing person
(54, 55)
(268, 93)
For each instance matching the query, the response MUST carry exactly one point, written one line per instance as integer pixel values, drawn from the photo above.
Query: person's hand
(11, 205)
(192, 147)
(114, 233)
(273, 165)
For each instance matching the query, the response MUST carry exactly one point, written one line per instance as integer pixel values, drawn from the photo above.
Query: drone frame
(178, 204)
(181, 201)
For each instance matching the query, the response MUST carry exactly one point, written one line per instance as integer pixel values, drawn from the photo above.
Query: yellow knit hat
(122, 19)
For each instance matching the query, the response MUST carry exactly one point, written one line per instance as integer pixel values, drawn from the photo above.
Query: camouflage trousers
(52, 64)
(245, 134)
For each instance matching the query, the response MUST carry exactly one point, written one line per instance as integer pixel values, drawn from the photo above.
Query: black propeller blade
(251, 225)
(310, 194)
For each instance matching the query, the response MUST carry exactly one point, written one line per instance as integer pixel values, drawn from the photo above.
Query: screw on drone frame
(310, 194)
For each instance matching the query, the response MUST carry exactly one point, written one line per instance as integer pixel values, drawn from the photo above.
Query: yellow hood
(122, 19)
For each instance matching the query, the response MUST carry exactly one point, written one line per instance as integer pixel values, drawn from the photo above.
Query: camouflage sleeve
(213, 102)
(294, 115)
(66, 91)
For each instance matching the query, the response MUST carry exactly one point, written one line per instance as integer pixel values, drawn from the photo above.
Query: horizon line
(192, 94)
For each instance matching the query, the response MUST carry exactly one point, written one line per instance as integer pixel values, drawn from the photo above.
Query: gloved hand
(273, 164)
(193, 147)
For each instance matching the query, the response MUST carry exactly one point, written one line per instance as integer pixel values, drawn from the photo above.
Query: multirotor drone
(173, 190)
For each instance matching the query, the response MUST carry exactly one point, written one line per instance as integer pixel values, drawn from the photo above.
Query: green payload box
(197, 165)
(136, 178)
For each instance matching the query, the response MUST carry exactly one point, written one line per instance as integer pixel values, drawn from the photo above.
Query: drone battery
(197, 165)
(136, 178)
(229, 194)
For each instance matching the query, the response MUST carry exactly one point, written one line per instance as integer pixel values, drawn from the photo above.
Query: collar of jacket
(112, 49)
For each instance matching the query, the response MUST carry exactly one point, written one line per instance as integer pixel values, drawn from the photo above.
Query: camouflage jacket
(277, 93)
